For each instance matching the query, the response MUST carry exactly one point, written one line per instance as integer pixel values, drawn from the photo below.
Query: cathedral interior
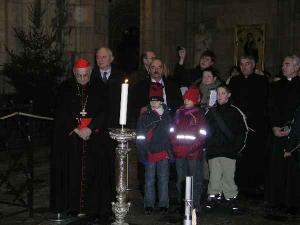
(131, 27)
(269, 28)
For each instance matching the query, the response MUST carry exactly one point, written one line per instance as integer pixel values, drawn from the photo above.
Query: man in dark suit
(139, 99)
(140, 93)
(143, 72)
(110, 80)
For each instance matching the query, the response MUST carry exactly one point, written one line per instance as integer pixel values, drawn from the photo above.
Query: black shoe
(163, 210)
(148, 210)
(291, 211)
(72, 213)
(213, 201)
(233, 205)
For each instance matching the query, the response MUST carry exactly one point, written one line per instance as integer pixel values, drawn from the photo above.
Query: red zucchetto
(81, 63)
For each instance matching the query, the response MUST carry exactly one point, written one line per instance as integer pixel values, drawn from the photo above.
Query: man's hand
(181, 54)
(83, 133)
(259, 72)
(286, 154)
(280, 133)
(143, 109)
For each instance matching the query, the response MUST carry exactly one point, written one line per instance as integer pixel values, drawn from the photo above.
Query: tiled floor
(253, 215)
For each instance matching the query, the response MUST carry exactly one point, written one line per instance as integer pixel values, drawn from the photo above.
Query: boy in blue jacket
(154, 148)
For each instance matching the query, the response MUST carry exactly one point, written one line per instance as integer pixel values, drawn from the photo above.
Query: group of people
(213, 131)
(248, 136)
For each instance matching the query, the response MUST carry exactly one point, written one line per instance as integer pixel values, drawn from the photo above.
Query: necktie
(104, 77)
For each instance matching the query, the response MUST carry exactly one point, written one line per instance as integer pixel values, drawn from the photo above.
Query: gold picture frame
(250, 40)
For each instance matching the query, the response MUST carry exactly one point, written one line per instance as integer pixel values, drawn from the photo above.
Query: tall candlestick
(188, 188)
(123, 104)
(188, 201)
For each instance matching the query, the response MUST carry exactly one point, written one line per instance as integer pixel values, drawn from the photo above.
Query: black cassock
(82, 172)
(283, 175)
(251, 96)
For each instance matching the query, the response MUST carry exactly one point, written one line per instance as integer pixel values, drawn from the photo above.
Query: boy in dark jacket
(154, 148)
(227, 130)
(188, 134)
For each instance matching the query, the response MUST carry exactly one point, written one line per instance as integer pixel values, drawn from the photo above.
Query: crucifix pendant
(83, 113)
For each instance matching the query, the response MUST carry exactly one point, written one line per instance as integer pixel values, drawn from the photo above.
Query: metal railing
(19, 131)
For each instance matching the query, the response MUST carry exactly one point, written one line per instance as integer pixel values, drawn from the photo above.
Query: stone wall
(281, 36)
(201, 24)
(87, 28)
(164, 25)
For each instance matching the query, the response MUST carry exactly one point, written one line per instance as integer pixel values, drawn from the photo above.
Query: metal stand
(127, 172)
(59, 217)
(188, 201)
(121, 207)
(63, 219)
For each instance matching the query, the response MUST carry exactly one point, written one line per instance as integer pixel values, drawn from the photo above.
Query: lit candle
(123, 104)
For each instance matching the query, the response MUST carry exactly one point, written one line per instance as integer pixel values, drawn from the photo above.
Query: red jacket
(188, 133)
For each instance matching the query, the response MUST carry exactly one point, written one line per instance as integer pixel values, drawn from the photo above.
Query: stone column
(12, 15)
(89, 28)
(3, 30)
(2, 41)
(163, 27)
(148, 28)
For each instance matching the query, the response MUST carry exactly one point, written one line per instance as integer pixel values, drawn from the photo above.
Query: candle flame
(126, 81)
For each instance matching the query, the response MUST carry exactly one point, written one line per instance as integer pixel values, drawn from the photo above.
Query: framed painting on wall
(250, 40)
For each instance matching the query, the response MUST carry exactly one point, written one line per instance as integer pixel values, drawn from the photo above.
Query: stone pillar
(163, 27)
(3, 15)
(12, 15)
(149, 28)
(3, 32)
(284, 33)
(296, 27)
(88, 23)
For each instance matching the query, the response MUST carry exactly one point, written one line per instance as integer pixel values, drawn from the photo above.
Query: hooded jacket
(218, 143)
(153, 142)
(188, 133)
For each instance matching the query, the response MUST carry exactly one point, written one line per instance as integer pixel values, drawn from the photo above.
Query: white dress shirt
(108, 72)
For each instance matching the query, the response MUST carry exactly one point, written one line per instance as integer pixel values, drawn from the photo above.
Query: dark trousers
(251, 167)
(283, 177)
